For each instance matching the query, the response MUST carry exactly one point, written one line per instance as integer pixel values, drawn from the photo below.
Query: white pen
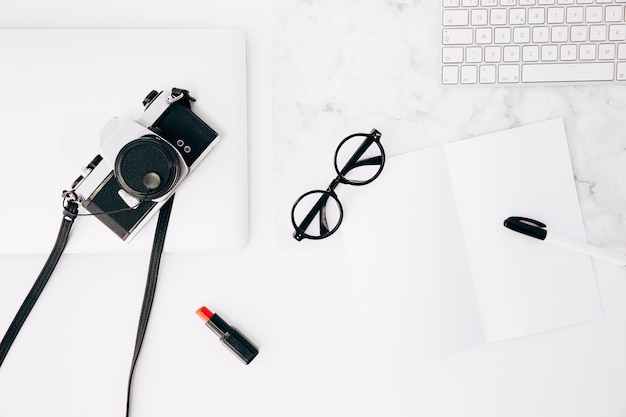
(536, 229)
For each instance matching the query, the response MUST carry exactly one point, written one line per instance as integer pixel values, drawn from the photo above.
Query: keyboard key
(607, 51)
(450, 75)
(511, 53)
(474, 54)
(521, 35)
(517, 16)
(497, 17)
(541, 34)
(559, 33)
(453, 55)
(483, 36)
(549, 53)
(578, 34)
(574, 15)
(469, 74)
(502, 35)
(530, 53)
(536, 16)
(597, 33)
(614, 13)
(508, 73)
(487, 74)
(568, 72)
(568, 53)
(617, 32)
(479, 17)
(556, 15)
(494, 53)
(593, 14)
(621, 71)
(463, 36)
(455, 17)
(587, 52)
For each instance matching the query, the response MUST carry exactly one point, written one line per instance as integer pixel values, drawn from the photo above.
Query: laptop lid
(61, 86)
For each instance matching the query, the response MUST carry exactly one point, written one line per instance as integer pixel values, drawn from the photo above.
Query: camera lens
(147, 167)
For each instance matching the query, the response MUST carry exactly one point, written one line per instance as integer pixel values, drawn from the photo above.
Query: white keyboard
(529, 42)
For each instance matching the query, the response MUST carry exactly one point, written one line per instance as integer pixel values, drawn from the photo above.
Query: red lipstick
(234, 340)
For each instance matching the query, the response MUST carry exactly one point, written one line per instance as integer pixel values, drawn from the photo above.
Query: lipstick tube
(234, 340)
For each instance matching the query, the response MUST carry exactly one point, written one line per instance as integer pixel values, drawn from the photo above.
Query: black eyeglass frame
(320, 206)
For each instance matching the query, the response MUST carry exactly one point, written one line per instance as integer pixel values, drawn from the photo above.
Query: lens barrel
(147, 167)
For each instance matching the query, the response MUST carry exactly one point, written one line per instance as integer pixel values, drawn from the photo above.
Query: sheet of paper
(430, 254)
(523, 285)
(408, 257)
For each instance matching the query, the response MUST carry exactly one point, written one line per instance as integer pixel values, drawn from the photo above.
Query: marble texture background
(345, 66)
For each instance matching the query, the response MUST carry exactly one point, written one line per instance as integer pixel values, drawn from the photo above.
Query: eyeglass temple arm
(374, 160)
(320, 206)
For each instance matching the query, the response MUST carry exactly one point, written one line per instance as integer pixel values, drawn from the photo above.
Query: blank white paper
(409, 260)
(523, 285)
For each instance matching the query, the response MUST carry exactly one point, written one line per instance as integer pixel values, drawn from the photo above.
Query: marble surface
(345, 66)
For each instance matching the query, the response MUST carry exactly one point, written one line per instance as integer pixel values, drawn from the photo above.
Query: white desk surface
(321, 70)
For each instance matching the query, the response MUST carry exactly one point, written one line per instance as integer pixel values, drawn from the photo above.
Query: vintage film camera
(143, 162)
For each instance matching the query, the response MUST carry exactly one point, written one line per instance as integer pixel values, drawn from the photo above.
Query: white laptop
(61, 86)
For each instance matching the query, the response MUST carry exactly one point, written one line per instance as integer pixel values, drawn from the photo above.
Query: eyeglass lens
(360, 160)
(316, 214)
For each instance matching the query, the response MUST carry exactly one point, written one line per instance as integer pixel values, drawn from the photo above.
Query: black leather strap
(148, 296)
(69, 215)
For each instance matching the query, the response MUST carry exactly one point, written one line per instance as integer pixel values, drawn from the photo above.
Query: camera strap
(70, 212)
(148, 295)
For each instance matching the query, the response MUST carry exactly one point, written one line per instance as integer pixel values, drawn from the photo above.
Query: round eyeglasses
(361, 158)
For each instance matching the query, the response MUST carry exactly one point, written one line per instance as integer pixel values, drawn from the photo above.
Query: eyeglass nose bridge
(334, 183)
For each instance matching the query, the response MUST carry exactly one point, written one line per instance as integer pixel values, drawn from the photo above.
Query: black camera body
(143, 162)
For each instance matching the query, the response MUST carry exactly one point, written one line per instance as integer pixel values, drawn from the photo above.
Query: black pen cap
(526, 226)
